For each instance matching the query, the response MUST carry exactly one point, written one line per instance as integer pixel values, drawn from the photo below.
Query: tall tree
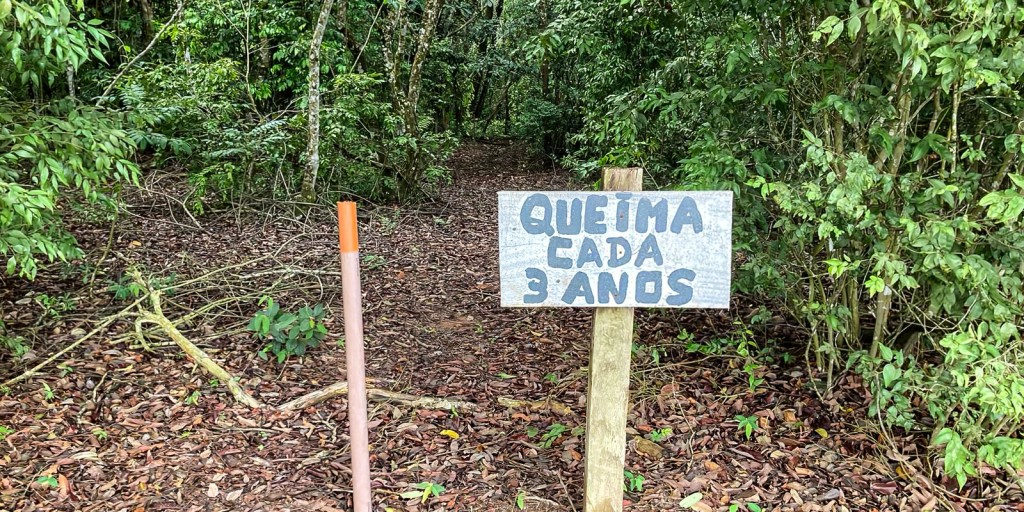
(405, 88)
(313, 99)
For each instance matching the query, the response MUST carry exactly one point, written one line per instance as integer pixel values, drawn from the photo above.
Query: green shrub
(288, 333)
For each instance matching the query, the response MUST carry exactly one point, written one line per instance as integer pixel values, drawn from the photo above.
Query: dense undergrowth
(873, 147)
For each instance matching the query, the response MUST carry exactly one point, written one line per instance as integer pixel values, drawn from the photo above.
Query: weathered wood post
(610, 350)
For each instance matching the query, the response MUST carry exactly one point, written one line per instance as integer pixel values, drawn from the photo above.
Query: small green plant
(164, 284)
(656, 353)
(5, 431)
(125, 288)
(552, 378)
(521, 500)
(747, 424)
(14, 345)
(761, 316)
(55, 307)
(100, 434)
(388, 223)
(753, 381)
(214, 383)
(374, 261)
(288, 334)
(47, 481)
(554, 432)
(710, 347)
(634, 481)
(426, 490)
(532, 431)
(47, 392)
(193, 398)
(660, 434)
(743, 337)
(752, 507)
(65, 369)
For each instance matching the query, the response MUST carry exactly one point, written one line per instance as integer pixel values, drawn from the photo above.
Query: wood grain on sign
(615, 249)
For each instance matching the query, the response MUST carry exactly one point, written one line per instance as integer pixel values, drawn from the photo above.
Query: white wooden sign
(615, 249)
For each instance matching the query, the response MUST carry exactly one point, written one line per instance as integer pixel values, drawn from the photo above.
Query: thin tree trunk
(146, 9)
(405, 97)
(351, 43)
(482, 77)
(313, 148)
(71, 81)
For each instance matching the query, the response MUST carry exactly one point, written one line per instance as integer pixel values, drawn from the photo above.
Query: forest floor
(112, 427)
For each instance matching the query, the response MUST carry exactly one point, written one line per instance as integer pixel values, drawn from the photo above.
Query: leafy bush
(51, 151)
(288, 333)
(874, 150)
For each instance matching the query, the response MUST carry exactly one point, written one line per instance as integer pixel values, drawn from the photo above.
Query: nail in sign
(615, 249)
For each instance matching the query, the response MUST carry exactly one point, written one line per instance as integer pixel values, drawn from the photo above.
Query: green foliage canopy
(54, 151)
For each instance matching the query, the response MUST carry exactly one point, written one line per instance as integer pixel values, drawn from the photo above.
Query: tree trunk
(351, 43)
(313, 148)
(405, 97)
(481, 83)
(70, 70)
(146, 9)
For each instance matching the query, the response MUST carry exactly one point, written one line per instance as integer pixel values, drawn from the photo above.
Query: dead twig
(96, 330)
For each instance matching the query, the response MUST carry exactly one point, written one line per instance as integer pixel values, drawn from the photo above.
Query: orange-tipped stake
(355, 359)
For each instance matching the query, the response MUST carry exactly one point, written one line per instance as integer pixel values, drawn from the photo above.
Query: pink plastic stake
(355, 359)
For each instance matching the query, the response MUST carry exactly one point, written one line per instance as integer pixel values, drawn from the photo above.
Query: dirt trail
(125, 430)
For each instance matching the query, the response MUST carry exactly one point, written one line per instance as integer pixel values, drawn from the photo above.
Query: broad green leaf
(691, 500)
(853, 27)
(836, 32)
(890, 374)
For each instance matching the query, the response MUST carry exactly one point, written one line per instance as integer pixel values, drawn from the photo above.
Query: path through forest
(125, 430)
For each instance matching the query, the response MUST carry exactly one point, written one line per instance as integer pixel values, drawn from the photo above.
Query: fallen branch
(538, 406)
(423, 402)
(102, 325)
(202, 359)
(378, 395)
(156, 316)
(199, 356)
(315, 397)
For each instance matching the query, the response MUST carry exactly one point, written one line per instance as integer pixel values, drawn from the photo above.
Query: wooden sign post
(611, 345)
(613, 251)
